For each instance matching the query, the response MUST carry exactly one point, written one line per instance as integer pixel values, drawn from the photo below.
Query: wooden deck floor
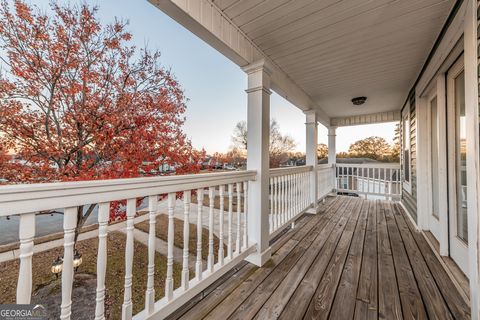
(358, 259)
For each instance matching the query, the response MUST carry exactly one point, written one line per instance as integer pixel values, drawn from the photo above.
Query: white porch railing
(26, 200)
(376, 179)
(325, 180)
(289, 196)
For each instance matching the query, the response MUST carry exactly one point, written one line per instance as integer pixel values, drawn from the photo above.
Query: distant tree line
(282, 148)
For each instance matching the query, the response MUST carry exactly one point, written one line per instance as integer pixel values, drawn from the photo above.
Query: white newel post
(311, 125)
(27, 234)
(258, 122)
(332, 152)
(473, 146)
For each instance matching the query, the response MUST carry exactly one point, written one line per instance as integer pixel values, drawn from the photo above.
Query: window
(406, 148)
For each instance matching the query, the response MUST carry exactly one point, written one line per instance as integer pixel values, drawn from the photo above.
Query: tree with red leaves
(79, 102)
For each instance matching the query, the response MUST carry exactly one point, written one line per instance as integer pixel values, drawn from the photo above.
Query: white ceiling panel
(337, 49)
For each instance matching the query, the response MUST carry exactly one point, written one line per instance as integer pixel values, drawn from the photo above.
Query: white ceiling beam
(379, 117)
(207, 21)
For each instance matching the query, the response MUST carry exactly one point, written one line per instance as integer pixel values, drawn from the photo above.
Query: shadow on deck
(358, 259)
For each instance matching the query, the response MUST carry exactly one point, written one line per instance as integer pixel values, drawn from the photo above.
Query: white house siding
(409, 199)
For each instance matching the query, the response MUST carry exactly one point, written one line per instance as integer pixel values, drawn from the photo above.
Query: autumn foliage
(79, 102)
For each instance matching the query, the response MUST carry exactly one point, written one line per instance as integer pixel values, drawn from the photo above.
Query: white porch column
(332, 145)
(258, 137)
(311, 125)
(473, 148)
(332, 152)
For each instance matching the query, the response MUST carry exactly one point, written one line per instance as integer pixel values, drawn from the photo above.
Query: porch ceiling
(324, 53)
(336, 50)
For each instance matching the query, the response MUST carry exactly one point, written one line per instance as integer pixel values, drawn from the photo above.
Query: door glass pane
(434, 153)
(461, 159)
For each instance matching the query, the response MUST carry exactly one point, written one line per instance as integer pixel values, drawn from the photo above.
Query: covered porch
(291, 247)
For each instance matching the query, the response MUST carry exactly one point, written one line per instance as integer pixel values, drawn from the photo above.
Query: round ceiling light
(359, 100)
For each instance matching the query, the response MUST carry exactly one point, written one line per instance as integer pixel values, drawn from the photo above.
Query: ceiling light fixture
(359, 100)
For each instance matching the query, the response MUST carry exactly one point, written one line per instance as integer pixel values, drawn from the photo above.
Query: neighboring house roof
(349, 160)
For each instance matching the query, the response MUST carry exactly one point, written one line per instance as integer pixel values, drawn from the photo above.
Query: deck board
(358, 259)
(412, 302)
(389, 306)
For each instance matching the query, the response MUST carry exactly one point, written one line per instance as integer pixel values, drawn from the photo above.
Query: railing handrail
(18, 199)
(370, 165)
(276, 172)
(325, 166)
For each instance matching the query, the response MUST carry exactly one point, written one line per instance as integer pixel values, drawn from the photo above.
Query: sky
(214, 85)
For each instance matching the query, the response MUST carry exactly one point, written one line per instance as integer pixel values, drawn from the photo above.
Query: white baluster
(211, 256)
(301, 191)
(69, 224)
(337, 177)
(239, 222)
(276, 216)
(26, 233)
(289, 197)
(186, 238)
(358, 179)
(302, 187)
(294, 194)
(306, 182)
(150, 292)
(284, 200)
(103, 213)
(384, 180)
(129, 248)
(199, 264)
(297, 194)
(170, 237)
(365, 177)
(368, 180)
(279, 201)
(230, 212)
(245, 214)
(271, 217)
(221, 223)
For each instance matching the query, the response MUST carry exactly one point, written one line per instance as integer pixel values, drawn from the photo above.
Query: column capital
(311, 116)
(332, 131)
(258, 74)
(259, 88)
(259, 65)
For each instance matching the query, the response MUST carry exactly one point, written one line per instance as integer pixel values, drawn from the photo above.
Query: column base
(259, 259)
(313, 210)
